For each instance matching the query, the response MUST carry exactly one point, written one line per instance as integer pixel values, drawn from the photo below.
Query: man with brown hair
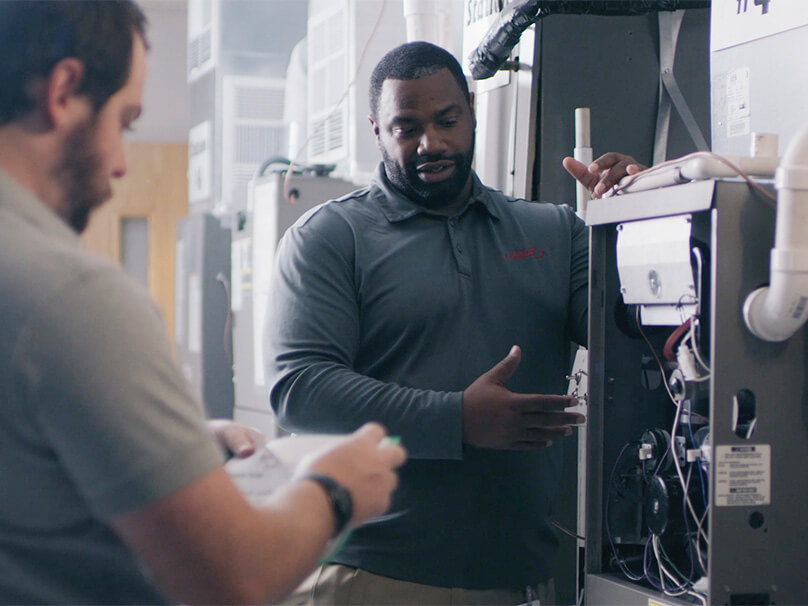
(113, 488)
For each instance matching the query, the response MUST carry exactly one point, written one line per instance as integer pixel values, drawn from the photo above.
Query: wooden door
(154, 191)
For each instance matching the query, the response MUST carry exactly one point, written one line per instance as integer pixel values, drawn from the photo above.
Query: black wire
(618, 560)
(567, 531)
(222, 279)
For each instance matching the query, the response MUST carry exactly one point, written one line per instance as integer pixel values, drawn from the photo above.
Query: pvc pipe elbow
(796, 153)
(774, 313)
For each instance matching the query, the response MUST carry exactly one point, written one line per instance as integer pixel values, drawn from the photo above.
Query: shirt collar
(22, 202)
(397, 207)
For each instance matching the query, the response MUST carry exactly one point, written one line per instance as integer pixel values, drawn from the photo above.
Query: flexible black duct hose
(500, 39)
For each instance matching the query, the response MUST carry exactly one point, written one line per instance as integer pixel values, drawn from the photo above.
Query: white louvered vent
(252, 131)
(328, 81)
(201, 40)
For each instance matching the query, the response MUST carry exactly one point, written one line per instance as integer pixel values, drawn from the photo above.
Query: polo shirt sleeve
(311, 339)
(107, 396)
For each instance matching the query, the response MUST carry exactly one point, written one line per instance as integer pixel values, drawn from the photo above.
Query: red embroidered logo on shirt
(525, 253)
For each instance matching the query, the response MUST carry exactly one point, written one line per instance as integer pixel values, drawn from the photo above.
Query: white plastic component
(702, 585)
(706, 167)
(706, 456)
(763, 145)
(653, 261)
(578, 381)
(687, 362)
(775, 312)
(699, 167)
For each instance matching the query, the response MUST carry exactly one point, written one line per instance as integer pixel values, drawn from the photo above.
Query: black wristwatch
(341, 502)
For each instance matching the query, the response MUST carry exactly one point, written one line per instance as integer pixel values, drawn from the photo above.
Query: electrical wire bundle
(658, 471)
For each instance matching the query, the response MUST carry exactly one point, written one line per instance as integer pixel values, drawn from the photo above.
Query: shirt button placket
(455, 237)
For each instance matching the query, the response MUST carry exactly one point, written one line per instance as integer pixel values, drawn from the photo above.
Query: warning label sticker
(743, 475)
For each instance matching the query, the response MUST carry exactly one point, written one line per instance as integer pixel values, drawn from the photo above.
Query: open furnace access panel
(696, 432)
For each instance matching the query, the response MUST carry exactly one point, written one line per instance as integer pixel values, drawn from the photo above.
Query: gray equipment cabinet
(739, 414)
(254, 239)
(202, 334)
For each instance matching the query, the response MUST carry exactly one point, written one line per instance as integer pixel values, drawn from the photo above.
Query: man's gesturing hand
(604, 173)
(494, 417)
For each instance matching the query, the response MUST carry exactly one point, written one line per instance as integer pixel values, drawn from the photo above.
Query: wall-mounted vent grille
(201, 37)
(253, 141)
(335, 131)
(328, 82)
(259, 103)
(317, 143)
(252, 131)
(199, 51)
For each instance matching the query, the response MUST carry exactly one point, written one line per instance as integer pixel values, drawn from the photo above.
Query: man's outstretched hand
(604, 173)
(495, 417)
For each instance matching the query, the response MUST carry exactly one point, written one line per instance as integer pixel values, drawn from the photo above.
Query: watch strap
(338, 496)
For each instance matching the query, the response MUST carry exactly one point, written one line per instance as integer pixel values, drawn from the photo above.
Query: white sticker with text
(743, 475)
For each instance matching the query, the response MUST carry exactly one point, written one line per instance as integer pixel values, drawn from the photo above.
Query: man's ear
(375, 130)
(62, 103)
(471, 105)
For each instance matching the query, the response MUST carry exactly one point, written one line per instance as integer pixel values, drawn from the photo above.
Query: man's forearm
(328, 397)
(241, 554)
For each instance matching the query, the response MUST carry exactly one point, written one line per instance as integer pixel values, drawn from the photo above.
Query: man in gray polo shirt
(397, 303)
(112, 489)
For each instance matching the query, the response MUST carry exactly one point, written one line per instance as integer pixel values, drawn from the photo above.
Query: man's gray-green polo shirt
(95, 417)
(381, 310)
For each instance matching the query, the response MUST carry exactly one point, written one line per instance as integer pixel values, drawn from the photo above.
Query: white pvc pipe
(421, 20)
(775, 312)
(428, 20)
(583, 153)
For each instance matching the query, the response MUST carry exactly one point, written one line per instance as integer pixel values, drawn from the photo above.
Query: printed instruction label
(738, 102)
(743, 475)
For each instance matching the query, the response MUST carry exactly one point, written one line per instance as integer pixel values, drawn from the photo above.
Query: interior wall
(165, 97)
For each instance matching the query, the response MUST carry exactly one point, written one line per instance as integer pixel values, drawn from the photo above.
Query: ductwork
(500, 39)
(775, 312)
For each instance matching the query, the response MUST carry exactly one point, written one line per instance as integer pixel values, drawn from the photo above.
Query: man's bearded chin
(428, 195)
(80, 173)
(80, 217)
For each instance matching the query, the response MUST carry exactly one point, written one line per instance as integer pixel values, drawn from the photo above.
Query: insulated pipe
(775, 312)
(499, 40)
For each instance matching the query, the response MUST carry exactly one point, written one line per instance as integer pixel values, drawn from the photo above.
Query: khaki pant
(334, 584)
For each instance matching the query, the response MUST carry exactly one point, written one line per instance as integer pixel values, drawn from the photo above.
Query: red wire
(668, 351)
